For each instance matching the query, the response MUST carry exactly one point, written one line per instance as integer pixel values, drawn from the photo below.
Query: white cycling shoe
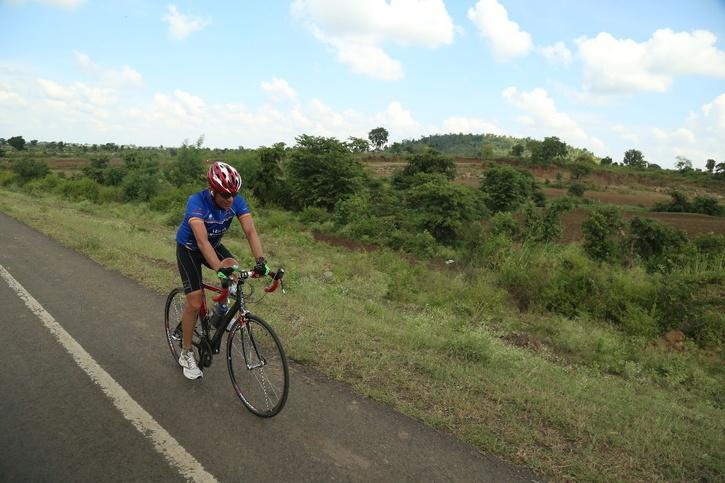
(188, 362)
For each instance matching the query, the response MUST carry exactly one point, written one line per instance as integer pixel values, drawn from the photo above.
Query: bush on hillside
(659, 246)
(507, 188)
(428, 161)
(28, 169)
(603, 234)
(322, 171)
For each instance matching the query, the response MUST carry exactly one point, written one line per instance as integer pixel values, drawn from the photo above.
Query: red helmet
(223, 178)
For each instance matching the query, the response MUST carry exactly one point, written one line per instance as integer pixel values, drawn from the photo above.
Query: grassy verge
(439, 354)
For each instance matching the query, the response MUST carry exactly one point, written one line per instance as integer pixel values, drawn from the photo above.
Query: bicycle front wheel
(258, 366)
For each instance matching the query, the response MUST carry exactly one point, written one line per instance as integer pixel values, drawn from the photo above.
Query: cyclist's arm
(255, 244)
(202, 241)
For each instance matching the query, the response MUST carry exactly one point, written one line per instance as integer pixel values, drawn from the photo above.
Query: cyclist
(209, 213)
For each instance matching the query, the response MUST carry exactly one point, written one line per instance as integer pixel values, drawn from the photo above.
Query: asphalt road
(91, 393)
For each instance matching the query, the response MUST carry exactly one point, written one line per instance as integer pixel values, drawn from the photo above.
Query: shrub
(428, 161)
(658, 245)
(603, 231)
(268, 182)
(139, 186)
(187, 167)
(78, 189)
(322, 172)
(710, 244)
(707, 205)
(576, 189)
(443, 208)
(504, 223)
(507, 188)
(28, 169)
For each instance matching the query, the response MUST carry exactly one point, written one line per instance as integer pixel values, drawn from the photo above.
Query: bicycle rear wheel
(258, 366)
(173, 311)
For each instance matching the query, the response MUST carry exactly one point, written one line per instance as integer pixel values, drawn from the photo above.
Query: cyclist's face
(224, 201)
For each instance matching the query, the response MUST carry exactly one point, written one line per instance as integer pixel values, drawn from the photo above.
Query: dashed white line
(162, 441)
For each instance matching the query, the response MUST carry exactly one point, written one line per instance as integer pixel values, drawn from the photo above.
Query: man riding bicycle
(209, 214)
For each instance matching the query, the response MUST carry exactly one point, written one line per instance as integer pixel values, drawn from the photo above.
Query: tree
(550, 150)
(507, 188)
(603, 233)
(606, 161)
(378, 137)
(358, 145)
(634, 158)
(517, 150)
(17, 142)
(710, 165)
(268, 183)
(321, 172)
(683, 164)
(28, 169)
(443, 208)
(579, 169)
(486, 151)
(186, 168)
(429, 161)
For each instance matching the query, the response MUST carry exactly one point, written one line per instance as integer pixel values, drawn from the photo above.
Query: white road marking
(162, 441)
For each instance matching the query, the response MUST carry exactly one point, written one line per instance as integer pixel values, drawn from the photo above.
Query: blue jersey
(217, 220)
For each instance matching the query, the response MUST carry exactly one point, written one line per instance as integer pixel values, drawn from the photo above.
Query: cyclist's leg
(189, 263)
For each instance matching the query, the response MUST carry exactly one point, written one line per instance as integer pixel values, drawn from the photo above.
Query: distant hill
(468, 145)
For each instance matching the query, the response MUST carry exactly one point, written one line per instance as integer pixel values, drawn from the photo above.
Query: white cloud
(278, 89)
(67, 4)
(623, 66)
(470, 125)
(11, 99)
(180, 25)
(545, 120)
(397, 118)
(714, 114)
(54, 90)
(679, 136)
(557, 53)
(492, 21)
(110, 77)
(356, 30)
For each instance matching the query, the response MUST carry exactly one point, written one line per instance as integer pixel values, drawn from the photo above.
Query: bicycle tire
(258, 366)
(173, 310)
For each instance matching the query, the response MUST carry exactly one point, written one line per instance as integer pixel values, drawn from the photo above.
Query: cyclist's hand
(225, 272)
(261, 267)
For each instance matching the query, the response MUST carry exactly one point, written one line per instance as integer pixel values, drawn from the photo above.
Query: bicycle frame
(237, 306)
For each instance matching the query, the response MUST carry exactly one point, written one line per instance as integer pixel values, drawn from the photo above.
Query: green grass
(439, 346)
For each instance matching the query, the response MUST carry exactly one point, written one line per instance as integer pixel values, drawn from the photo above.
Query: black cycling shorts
(190, 261)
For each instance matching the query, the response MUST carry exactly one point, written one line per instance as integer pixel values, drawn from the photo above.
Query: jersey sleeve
(195, 208)
(240, 206)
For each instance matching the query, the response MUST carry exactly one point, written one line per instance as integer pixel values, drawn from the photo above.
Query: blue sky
(606, 76)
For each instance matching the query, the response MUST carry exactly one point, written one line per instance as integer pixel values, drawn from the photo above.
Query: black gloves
(261, 267)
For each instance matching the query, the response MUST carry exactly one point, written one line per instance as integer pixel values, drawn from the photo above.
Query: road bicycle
(256, 360)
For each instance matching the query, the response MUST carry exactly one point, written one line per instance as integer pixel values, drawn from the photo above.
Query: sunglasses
(226, 196)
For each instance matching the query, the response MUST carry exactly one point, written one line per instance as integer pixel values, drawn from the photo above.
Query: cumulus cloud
(120, 77)
(67, 4)
(492, 21)
(470, 125)
(623, 66)
(77, 93)
(11, 99)
(357, 30)
(278, 89)
(557, 53)
(541, 114)
(714, 114)
(180, 25)
(680, 136)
